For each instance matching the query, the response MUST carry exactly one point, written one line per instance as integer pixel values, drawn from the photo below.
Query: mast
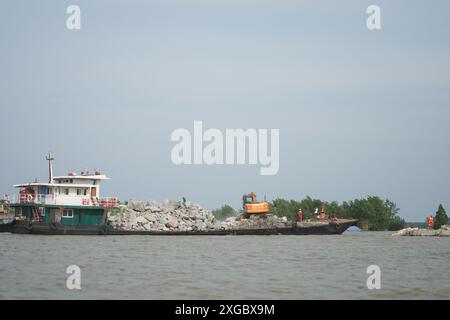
(49, 158)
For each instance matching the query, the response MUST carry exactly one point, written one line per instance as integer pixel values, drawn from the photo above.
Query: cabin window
(19, 211)
(71, 181)
(85, 192)
(78, 192)
(66, 192)
(67, 213)
(42, 211)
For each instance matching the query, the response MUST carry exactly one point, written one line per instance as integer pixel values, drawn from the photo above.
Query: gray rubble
(444, 231)
(183, 216)
(255, 222)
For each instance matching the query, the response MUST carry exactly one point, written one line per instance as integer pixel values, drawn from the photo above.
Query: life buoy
(29, 197)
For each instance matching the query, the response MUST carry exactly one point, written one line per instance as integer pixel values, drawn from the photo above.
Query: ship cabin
(73, 199)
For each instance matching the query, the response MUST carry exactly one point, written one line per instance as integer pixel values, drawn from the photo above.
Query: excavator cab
(249, 198)
(252, 206)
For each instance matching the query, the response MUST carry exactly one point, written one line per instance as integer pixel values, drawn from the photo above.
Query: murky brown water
(224, 267)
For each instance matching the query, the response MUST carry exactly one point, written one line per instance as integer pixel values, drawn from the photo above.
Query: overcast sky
(360, 112)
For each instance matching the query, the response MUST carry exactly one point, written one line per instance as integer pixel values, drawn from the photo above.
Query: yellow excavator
(252, 206)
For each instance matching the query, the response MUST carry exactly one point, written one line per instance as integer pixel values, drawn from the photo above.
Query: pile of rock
(168, 216)
(444, 231)
(254, 222)
(183, 216)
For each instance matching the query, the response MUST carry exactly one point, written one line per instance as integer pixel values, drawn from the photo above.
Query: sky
(360, 112)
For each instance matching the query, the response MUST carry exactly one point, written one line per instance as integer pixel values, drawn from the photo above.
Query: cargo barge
(71, 205)
(25, 227)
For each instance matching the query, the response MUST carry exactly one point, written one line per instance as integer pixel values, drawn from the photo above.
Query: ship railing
(108, 202)
(66, 200)
(36, 198)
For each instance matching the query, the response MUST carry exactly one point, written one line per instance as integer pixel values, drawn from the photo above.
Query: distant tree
(334, 209)
(282, 208)
(421, 225)
(289, 209)
(396, 224)
(378, 212)
(441, 218)
(224, 212)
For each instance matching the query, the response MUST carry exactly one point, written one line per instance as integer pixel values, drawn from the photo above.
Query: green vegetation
(422, 225)
(224, 212)
(441, 218)
(381, 214)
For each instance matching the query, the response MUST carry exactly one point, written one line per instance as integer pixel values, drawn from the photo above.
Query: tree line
(381, 214)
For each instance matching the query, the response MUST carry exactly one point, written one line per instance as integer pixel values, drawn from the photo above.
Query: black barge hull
(58, 229)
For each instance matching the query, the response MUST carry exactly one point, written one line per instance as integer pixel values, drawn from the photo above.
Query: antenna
(50, 158)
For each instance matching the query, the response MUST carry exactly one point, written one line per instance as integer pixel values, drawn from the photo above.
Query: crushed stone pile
(444, 231)
(168, 216)
(255, 222)
(183, 216)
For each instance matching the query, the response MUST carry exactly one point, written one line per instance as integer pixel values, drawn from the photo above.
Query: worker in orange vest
(430, 222)
(322, 214)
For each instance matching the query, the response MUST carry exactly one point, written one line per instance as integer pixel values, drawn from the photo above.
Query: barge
(26, 227)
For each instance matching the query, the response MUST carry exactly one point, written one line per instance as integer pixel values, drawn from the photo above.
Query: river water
(224, 267)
